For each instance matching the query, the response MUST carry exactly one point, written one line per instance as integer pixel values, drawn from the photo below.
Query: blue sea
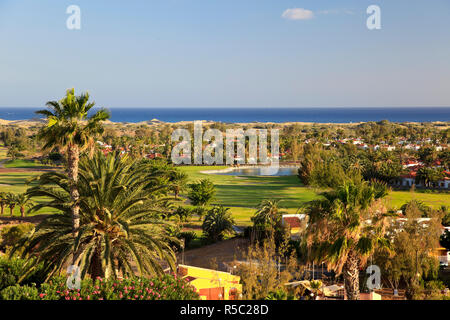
(234, 115)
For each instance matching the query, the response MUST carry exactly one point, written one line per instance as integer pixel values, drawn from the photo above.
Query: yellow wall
(207, 278)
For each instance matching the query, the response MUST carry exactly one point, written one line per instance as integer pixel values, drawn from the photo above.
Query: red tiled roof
(293, 222)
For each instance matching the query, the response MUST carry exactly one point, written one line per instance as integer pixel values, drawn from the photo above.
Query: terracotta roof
(293, 222)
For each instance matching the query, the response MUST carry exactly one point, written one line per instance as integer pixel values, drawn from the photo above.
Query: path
(222, 252)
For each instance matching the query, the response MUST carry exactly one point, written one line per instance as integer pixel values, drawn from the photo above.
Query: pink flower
(42, 295)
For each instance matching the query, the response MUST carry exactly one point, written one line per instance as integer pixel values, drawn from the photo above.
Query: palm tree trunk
(22, 212)
(2, 209)
(11, 210)
(73, 157)
(351, 276)
(96, 269)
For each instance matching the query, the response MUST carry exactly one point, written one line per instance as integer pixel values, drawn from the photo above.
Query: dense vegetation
(119, 209)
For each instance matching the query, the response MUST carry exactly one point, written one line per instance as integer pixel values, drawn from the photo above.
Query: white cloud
(298, 14)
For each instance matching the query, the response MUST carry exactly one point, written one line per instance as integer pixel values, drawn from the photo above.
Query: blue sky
(227, 53)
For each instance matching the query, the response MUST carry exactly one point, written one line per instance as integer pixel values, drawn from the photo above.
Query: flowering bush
(167, 287)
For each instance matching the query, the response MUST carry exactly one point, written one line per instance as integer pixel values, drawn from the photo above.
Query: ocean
(246, 115)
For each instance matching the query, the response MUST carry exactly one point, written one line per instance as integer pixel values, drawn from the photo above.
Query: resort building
(295, 223)
(212, 284)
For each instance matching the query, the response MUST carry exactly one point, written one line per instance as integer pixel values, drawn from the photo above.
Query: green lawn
(242, 194)
(18, 182)
(21, 163)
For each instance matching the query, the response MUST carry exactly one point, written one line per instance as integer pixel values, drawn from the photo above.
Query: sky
(226, 53)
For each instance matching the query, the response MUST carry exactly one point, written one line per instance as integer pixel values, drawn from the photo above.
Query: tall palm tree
(70, 128)
(120, 225)
(3, 202)
(345, 227)
(23, 201)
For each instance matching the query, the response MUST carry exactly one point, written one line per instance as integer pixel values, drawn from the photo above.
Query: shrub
(199, 211)
(18, 292)
(10, 235)
(182, 213)
(202, 192)
(218, 223)
(188, 236)
(167, 287)
(12, 269)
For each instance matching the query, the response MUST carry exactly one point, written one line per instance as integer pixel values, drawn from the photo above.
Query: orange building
(212, 284)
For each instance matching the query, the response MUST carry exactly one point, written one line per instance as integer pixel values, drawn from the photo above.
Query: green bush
(188, 236)
(182, 213)
(218, 223)
(202, 192)
(12, 269)
(17, 292)
(10, 235)
(168, 287)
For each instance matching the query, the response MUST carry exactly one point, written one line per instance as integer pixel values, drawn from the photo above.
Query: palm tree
(178, 180)
(23, 201)
(120, 222)
(267, 217)
(345, 227)
(218, 222)
(69, 128)
(11, 201)
(3, 202)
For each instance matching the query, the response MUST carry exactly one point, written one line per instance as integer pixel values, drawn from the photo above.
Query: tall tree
(345, 227)
(69, 127)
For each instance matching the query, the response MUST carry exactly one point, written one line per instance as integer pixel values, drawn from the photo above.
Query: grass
(19, 182)
(242, 193)
(21, 163)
